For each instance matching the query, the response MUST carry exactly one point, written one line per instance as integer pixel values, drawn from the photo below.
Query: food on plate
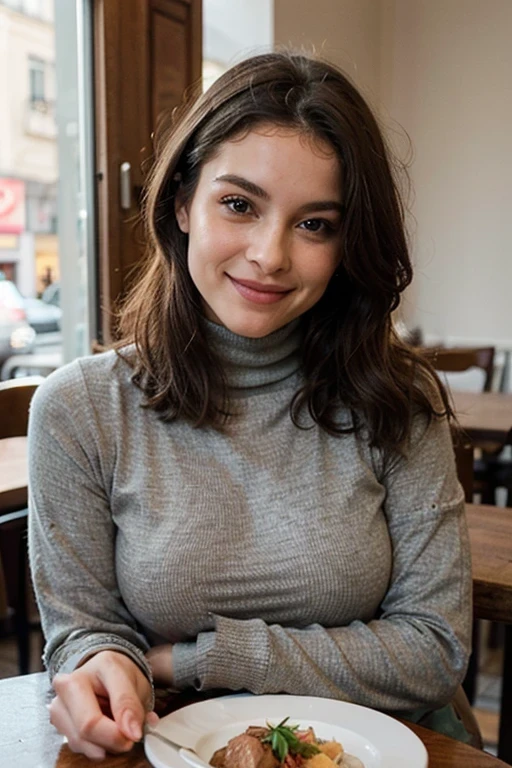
(282, 745)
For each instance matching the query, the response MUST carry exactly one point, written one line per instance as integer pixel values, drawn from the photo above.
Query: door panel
(147, 52)
(169, 65)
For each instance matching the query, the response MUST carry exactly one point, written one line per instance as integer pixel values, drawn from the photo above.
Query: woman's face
(264, 229)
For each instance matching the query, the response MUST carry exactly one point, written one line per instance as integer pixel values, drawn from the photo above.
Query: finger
(152, 719)
(61, 720)
(82, 706)
(125, 701)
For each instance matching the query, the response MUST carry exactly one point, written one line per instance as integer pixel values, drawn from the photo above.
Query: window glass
(46, 177)
(36, 77)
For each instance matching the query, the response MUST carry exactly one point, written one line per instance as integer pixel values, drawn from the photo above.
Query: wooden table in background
(485, 416)
(13, 473)
(490, 532)
(28, 740)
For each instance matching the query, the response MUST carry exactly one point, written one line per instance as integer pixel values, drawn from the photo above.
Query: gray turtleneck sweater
(275, 559)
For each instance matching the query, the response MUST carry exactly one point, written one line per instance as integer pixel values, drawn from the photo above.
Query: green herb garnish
(283, 739)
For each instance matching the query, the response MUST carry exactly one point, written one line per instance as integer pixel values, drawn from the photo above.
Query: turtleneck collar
(253, 365)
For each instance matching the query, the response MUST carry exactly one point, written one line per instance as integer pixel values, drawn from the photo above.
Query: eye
(317, 226)
(236, 204)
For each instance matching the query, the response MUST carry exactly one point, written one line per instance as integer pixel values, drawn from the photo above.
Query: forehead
(269, 154)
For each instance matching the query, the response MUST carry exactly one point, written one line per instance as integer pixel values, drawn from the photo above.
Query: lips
(262, 287)
(259, 293)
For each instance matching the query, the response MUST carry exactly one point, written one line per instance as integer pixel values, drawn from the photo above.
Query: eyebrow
(257, 191)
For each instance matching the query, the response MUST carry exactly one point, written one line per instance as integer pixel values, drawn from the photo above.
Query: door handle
(125, 186)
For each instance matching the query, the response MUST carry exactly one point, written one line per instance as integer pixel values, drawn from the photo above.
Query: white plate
(377, 740)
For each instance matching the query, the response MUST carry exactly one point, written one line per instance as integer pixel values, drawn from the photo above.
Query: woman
(257, 489)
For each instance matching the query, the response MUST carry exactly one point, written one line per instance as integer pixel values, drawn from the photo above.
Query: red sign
(12, 206)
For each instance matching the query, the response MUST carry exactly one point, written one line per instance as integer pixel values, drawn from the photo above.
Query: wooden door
(146, 53)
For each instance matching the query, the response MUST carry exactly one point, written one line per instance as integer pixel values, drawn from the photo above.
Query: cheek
(210, 245)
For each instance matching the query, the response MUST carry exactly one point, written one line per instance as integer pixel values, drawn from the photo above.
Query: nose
(270, 249)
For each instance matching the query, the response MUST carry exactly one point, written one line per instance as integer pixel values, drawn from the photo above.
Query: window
(46, 165)
(36, 70)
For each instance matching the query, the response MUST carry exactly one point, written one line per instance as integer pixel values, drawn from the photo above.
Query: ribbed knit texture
(275, 558)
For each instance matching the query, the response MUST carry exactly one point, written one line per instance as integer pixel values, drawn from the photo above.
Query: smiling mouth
(258, 293)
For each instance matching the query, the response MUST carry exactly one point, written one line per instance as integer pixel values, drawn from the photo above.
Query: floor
(486, 705)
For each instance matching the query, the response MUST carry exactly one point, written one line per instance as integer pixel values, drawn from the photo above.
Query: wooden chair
(466, 715)
(14, 582)
(15, 397)
(460, 359)
(464, 460)
(498, 474)
(488, 470)
(15, 594)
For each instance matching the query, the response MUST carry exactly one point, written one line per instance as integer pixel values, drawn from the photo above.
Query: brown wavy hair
(351, 354)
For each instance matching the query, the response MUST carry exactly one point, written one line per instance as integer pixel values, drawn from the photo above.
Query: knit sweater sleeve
(414, 653)
(71, 531)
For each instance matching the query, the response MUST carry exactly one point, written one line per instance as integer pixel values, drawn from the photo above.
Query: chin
(252, 330)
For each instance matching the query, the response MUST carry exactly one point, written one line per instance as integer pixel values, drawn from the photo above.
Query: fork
(186, 752)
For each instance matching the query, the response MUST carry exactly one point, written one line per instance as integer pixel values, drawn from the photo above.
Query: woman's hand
(160, 661)
(101, 706)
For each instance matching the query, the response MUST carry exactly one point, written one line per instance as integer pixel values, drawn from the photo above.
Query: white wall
(346, 32)
(236, 28)
(448, 81)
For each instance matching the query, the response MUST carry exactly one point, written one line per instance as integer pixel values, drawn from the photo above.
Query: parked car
(43, 317)
(17, 337)
(51, 294)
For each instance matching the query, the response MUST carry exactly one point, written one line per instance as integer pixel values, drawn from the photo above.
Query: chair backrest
(15, 397)
(15, 584)
(458, 359)
(13, 558)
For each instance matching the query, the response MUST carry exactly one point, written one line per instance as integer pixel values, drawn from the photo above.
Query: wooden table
(490, 531)
(485, 416)
(13, 473)
(27, 740)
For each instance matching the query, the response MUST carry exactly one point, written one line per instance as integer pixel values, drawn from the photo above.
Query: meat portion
(269, 760)
(245, 751)
(218, 758)
(259, 731)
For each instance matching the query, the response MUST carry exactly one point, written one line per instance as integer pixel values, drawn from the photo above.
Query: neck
(254, 365)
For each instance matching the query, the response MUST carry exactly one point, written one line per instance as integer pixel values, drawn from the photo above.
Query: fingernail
(152, 719)
(134, 729)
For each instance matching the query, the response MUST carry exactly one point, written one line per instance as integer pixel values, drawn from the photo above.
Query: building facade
(28, 145)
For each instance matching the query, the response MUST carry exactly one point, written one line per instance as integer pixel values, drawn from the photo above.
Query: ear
(181, 213)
